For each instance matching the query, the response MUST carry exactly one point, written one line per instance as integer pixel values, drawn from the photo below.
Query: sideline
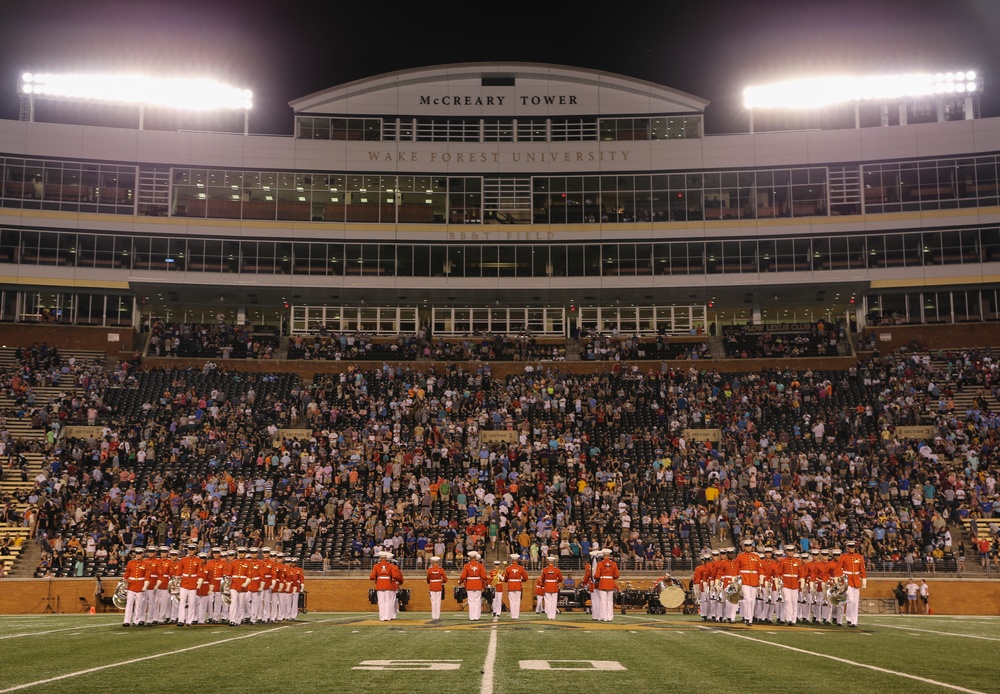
(932, 631)
(53, 631)
(845, 661)
(491, 659)
(136, 660)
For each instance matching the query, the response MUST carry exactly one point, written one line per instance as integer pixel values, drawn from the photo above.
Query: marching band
(246, 586)
(234, 587)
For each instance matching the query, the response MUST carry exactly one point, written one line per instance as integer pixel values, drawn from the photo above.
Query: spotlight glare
(193, 94)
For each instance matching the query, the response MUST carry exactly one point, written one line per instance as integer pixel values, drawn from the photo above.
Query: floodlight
(140, 90)
(827, 91)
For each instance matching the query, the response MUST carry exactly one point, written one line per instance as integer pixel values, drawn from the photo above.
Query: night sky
(710, 48)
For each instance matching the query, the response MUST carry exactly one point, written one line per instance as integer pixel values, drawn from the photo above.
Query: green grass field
(637, 653)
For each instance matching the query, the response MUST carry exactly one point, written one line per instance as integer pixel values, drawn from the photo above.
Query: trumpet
(496, 580)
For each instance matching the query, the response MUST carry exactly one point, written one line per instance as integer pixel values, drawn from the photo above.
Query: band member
(822, 576)
(539, 595)
(792, 579)
(725, 573)
(436, 578)
(474, 579)
(836, 611)
(852, 567)
(699, 585)
(190, 583)
(173, 606)
(715, 598)
(748, 567)
(515, 577)
(606, 582)
(137, 577)
(767, 593)
(158, 595)
(552, 580)
(384, 575)
(215, 567)
(496, 583)
(240, 571)
(266, 586)
(254, 594)
(202, 594)
(588, 583)
(805, 593)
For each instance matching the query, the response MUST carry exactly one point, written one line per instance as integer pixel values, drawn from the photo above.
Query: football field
(324, 652)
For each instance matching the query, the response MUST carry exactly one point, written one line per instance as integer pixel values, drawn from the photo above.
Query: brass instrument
(496, 580)
(174, 588)
(733, 593)
(225, 590)
(836, 592)
(120, 596)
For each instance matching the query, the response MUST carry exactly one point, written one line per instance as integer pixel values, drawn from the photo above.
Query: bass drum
(670, 595)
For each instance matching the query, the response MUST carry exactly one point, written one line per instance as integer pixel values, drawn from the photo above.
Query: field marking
(136, 660)
(932, 631)
(845, 661)
(53, 631)
(491, 660)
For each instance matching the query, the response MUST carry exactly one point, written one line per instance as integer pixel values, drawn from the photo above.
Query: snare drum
(372, 596)
(460, 594)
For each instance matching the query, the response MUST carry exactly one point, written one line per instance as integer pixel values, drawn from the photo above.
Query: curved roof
(512, 88)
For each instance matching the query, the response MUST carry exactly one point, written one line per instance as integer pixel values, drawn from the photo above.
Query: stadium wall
(949, 596)
(113, 341)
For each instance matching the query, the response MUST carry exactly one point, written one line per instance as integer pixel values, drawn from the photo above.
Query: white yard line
(933, 631)
(136, 660)
(53, 631)
(845, 661)
(491, 659)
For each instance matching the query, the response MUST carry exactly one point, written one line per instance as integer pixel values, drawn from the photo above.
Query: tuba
(734, 591)
(174, 588)
(225, 590)
(836, 592)
(120, 596)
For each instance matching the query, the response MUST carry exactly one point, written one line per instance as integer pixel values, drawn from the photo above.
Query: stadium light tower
(143, 91)
(822, 92)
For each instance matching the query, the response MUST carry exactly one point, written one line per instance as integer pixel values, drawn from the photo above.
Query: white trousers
(514, 603)
(497, 602)
(135, 604)
(386, 598)
(185, 613)
(238, 606)
(851, 606)
(606, 600)
(789, 604)
(749, 603)
(539, 604)
(436, 604)
(475, 598)
(551, 605)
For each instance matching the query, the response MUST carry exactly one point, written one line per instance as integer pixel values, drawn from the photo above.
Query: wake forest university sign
(498, 157)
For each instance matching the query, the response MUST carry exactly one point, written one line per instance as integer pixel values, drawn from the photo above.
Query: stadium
(506, 310)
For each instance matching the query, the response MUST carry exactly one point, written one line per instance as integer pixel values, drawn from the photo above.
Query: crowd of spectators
(219, 340)
(751, 342)
(397, 457)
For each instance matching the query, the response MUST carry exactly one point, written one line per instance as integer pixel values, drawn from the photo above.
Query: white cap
(383, 555)
(606, 551)
(551, 557)
(435, 558)
(473, 554)
(515, 556)
(496, 562)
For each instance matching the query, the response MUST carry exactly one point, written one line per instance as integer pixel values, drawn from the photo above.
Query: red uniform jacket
(473, 575)
(436, 578)
(606, 574)
(516, 577)
(552, 578)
